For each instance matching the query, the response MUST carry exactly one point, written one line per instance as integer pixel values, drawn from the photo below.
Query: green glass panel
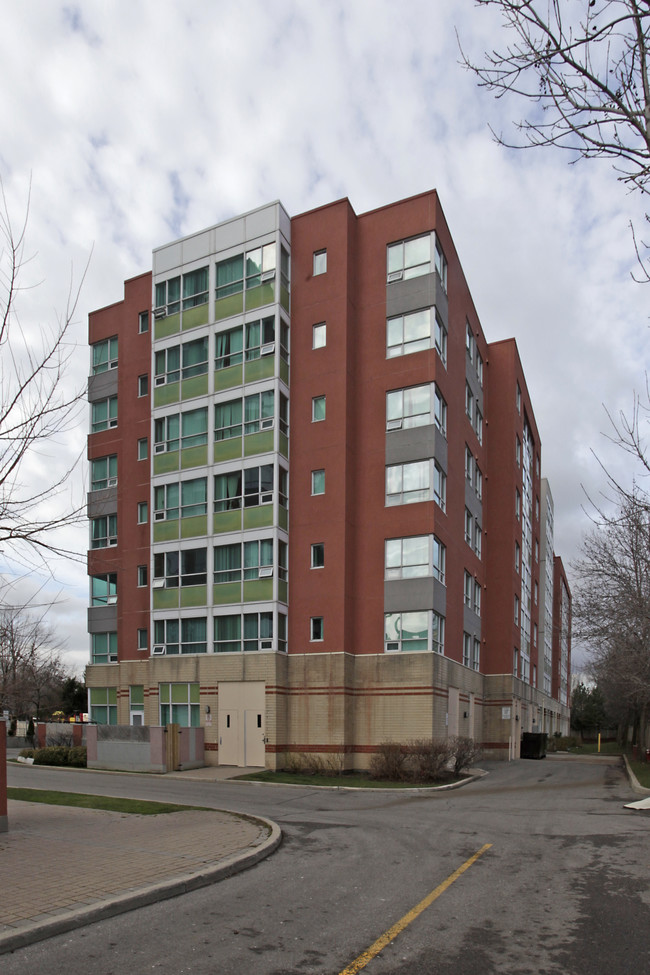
(227, 592)
(284, 297)
(284, 371)
(283, 591)
(198, 315)
(112, 696)
(194, 596)
(283, 518)
(165, 599)
(283, 444)
(194, 457)
(98, 695)
(165, 531)
(228, 378)
(137, 694)
(258, 443)
(179, 693)
(257, 590)
(164, 395)
(226, 307)
(264, 294)
(196, 386)
(191, 527)
(195, 693)
(227, 521)
(227, 449)
(260, 517)
(167, 326)
(163, 690)
(165, 463)
(263, 368)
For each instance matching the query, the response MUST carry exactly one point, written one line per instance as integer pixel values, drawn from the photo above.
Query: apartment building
(318, 520)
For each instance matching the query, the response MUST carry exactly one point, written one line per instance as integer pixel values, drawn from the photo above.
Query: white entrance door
(228, 737)
(242, 723)
(254, 751)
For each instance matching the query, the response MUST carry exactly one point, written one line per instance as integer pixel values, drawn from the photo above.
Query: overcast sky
(139, 121)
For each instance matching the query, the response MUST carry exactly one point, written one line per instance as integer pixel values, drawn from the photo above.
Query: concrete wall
(141, 749)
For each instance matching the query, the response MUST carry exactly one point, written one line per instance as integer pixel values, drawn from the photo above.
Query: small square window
(143, 449)
(320, 262)
(143, 639)
(316, 628)
(319, 336)
(143, 512)
(143, 576)
(143, 321)
(318, 555)
(317, 408)
(318, 482)
(143, 385)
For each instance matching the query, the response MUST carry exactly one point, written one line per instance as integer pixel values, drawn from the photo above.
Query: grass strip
(136, 807)
(347, 781)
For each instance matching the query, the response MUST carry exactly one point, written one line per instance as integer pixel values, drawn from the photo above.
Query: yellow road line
(399, 926)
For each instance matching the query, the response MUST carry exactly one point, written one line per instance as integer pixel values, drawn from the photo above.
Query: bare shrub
(427, 759)
(389, 762)
(305, 764)
(464, 752)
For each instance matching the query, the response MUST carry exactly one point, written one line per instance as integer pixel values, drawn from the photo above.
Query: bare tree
(37, 408)
(583, 69)
(31, 673)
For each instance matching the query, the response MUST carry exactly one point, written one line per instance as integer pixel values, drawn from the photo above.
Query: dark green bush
(59, 755)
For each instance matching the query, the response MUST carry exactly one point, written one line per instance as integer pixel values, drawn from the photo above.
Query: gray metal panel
(415, 443)
(408, 595)
(103, 385)
(473, 503)
(439, 598)
(422, 292)
(102, 502)
(261, 222)
(471, 622)
(472, 378)
(102, 618)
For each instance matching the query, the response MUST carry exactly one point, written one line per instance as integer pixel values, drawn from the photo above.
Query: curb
(29, 933)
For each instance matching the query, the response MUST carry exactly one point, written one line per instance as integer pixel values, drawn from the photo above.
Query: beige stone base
(337, 704)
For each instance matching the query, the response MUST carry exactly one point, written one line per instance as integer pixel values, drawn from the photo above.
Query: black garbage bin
(533, 744)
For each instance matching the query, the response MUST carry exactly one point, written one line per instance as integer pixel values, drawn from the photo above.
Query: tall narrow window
(320, 262)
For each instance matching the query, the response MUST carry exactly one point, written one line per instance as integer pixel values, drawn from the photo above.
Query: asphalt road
(561, 890)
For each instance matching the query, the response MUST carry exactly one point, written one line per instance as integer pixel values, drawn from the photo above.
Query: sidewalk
(64, 867)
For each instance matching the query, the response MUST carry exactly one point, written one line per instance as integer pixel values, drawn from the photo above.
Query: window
(536, 550)
(534, 634)
(104, 356)
(319, 336)
(412, 407)
(467, 589)
(536, 592)
(193, 635)
(518, 398)
(230, 276)
(476, 657)
(189, 498)
(103, 473)
(318, 482)
(478, 482)
(260, 265)
(408, 558)
(180, 704)
(439, 553)
(247, 633)
(143, 448)
(479, 367)
(316, 629)
(143, 512)
(408, 333)
(143, 576)
(228, 420)
(103, 531)
(260, 338)
(408, 258)
(168, 297)
(478, 539)
(469, 526)
(195, 291)
(317, 409)
(258, 559)
(254, 485)
(258, 411)
(229, 348)
(478, 424)
(409, 632)
(517, 610)
(470, 344)
(477, 598)
(537, 509)
(469, 464)
(517, 504)
(518, 451)
(104, 648)
(103, 705)
(143, 385)
(440, 262)
(193, 568)
(143, 321)
(104, 414)
(103, 589)
(469, 403)
(517, 556)
(408, 483)
(439, 486)
(318, 555)
(193, 430)
(320, 262)
(441, 339)
(467, 650)
(440, 412)
(181, 362)
(143, 639)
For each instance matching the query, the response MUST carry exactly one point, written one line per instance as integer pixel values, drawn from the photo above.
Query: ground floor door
(241, 723)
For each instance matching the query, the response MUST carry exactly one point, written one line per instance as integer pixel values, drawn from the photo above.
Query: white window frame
(319, 262)
(314, 492)
(315, 402)
(400, 556)
(396, 473)
(319, 335)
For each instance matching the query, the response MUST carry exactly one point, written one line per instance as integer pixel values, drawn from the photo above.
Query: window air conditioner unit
(160, 312)
(266, 498)
(158, 650)
(159, 516)
(159, 448)
(112, 423)
(161, 380)
(394, 276)
(112, 364)
(266, 644)
(268, 275)
(112, 481)
(158, 584)
(267, 424)
(393, 424)
(268, 349)
(112, 540)
(111, 600)
(266, 572)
